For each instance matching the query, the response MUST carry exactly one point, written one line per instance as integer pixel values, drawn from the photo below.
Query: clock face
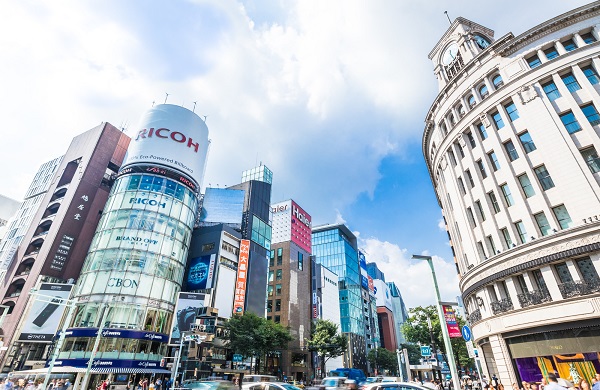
(481, 42)
(450, 54)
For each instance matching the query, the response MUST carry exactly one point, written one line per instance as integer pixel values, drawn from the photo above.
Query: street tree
(382, 359)
(252, 336)
(416, 329)
(327, 341)
(414, 352)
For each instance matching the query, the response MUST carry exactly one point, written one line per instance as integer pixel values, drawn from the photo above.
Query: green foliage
(326, 341)
(414, 352)
(383, 360)
(251, 335)
(416, 330)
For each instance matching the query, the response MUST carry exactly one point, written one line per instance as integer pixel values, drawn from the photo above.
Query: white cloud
(413, 277)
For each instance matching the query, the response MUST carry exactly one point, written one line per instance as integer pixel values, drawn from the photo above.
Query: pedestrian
(168, 384)
(515, 386)
(158, 384)
(534, 386)
(553, 383)
(596, 385)
(145, 384)
(583, 385)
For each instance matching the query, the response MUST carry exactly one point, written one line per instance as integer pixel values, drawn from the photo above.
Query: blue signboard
(362, 261)
(466, 333)
(103, 363)
(237, 358)
(116, 333)
(425, 350)
(201, 271)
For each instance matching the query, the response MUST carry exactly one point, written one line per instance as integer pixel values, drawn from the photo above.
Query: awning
(129, 370)
(55, 370)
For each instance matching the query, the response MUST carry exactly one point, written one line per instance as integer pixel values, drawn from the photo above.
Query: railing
(534, 297)
(574, 289)
(502, 306)
(475, 316)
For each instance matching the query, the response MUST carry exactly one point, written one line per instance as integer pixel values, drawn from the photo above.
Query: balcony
(502, 306)
(575, 289)
(475, 316)
(535, 297)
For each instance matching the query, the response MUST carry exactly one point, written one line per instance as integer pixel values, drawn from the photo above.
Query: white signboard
(172, 136)
(45, 313)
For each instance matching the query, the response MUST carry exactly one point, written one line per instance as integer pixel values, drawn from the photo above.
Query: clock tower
(463, 42)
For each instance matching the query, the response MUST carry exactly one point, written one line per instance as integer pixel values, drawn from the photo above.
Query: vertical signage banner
(451, 323)
(201, 272)
(242, 274)
(46, 312)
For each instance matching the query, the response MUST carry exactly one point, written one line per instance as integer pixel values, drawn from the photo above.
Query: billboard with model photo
(46, 312)
(186, 311)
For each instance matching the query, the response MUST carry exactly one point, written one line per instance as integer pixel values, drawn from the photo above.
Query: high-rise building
(134, 268)
(400, 312)
(256, 227)
(511, 143)
(289, 287)
(325, 306)
(50, 235)
(8, 208)
(335, 247)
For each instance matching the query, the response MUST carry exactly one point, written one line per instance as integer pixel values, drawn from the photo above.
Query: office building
(511, 143)
(399, 310)
(128, 288)
(49, 237)
(255, 227)
(325, 306)
(289, 288)
(335, 247)
(8, 208)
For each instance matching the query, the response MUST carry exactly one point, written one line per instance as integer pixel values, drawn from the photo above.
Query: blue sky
(330, 95)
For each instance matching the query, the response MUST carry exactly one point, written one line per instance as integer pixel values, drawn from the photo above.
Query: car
(269, 386)
(208, 385)
(333, 383)
(393, 386)
(391, 379)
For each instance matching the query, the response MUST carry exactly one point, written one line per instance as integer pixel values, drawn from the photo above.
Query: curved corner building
(511, 143)
(134, 268)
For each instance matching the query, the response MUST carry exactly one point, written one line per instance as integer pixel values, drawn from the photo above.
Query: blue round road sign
(466, 333)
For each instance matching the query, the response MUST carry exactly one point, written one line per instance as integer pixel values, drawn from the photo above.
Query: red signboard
(450, 316)
(242, 275)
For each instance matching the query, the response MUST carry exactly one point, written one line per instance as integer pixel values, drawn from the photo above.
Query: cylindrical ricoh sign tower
(135, 264)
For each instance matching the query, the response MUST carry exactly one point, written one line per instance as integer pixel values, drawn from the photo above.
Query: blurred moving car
(269, 386)
(393, 386)
(259, 378)
(390, 379)
(333, 383)
(208, 385)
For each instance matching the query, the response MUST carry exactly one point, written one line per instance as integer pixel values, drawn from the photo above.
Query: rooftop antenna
(152, 103)
(166, 97)
(205, 116)
(449, 21)
(195, 108)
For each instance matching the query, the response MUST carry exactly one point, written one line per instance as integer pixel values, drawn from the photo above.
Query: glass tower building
(134, 269)
(335, 247)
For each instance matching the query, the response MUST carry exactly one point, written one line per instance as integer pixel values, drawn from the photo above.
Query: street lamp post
(400, 371)
(446, 336)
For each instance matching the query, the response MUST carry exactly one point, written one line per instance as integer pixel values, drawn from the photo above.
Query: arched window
(451, 119)
(471, 100)
(497, 81)
(461, 110)
(483, 91)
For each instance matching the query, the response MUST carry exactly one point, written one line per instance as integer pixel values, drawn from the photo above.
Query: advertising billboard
(364, 276)
(383, 295)
(242, 276)
(222, 205)
(45, 313)
(201, 272)
(301, 228)
(451, 323)
(171, 136)
(186, 312)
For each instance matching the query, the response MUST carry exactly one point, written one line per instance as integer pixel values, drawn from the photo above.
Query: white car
(393, 386)
(269, 386)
